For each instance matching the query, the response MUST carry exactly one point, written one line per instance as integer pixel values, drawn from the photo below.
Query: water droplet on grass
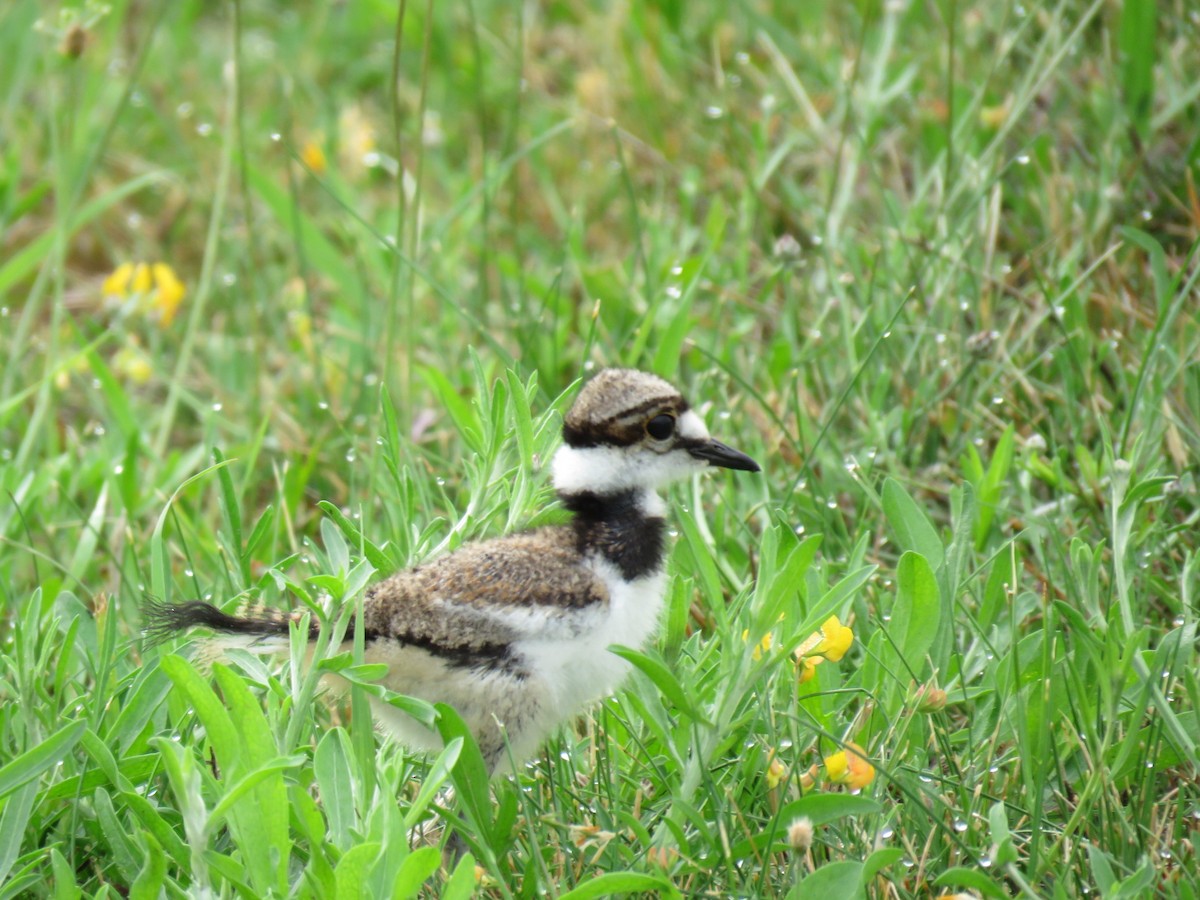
(713, 112)
(217, 407)
(960, 825)
(1023, 159)
(204, 129)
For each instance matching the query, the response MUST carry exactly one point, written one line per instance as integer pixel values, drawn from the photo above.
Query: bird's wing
(480, 599)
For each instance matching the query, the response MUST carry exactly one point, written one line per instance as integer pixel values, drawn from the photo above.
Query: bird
(514, 631)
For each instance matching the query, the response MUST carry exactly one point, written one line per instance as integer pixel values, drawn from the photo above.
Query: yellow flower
(155, 287)
(168, 294)
(831, 642)
(808, 667)
(313, 157)
(850, 767)
(763, 646)
(776, 771)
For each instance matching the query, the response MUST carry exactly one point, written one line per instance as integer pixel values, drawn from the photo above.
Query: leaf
(836, 879)
(880, 860)
(352, 870)
(149, 883)
(614, 883)
(1135, 40)
(664, 679)
(917, 611)
(912, 527)
(972, 878)
(823, 808)
(416, 869)
(470, 773)
(377, 557)
(461, 884)
(331, 765)
(13, 822)
(33, 762)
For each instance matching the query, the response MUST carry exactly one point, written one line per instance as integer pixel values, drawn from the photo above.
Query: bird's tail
(164, 620)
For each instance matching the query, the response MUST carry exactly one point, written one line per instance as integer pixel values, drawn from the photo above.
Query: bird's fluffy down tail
(164, 620)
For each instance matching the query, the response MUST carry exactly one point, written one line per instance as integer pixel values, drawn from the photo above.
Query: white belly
(580, 669)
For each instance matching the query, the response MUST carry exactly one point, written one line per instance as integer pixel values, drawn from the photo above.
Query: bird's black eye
(661, 427)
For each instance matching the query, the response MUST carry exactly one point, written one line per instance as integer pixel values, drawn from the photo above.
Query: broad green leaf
(835, 879)
(331, 765)
(470, 774)
(614, 884)
(1136, 42)
(352, 870)
(911, 526)
(916, 612)
(416, 869)
(219, 727)
(823, 808)
(971, 878)
(461, 883)
(14, 819)
(33, 762)
(149, 883)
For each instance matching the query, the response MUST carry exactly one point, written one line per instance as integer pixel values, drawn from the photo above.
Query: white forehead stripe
(691, 427)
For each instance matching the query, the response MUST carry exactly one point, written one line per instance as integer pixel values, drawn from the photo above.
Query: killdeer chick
(513, 632)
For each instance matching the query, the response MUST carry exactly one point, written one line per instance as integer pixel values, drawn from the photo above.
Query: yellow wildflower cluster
(850, 767)
(829, 643)
(154, 287)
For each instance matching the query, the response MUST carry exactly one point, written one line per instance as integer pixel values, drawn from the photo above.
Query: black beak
(719, 454)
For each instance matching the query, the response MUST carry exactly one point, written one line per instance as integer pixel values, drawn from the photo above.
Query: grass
(934, 265)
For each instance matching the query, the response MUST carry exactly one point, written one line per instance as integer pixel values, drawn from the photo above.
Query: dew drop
(1178, 621)
(276, 137)
(887, 832)
(118, 469)
(674, 291)
(1023, 159)
(184, 109)
(229, 279)
(985, 861)
(204, 129)
(351, 455)
(216, 407)
(321, 404)
(960, 825)
(713, 112)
